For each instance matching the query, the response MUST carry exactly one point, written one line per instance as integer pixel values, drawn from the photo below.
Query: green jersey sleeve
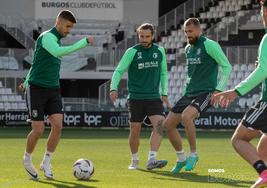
(163, 74)
(121, 68)
(215, 51)
(49, 42)
(259, 74)
(26, 83)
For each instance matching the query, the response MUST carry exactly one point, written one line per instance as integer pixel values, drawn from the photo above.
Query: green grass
(109, 151)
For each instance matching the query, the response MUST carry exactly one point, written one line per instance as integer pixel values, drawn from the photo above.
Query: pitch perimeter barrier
(209, 120)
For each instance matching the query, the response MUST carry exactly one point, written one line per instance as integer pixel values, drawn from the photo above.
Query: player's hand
(90, 40)
(256, 63)
(113, 96)
(21, 87)
(212, 100)
(165, 99)
(224, 99)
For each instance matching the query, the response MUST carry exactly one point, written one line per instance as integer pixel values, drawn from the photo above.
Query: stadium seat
(242, 102)
(171, 83)
(176, 76)
(256, 97)
(250, 102)
(5, 97)
(180, 68)
(221, 3)
(180, 83)
(169, 75)
(203, 15)
(247, 73)
(236, 67)
(239, 75)
(116, 103)
(22, 106)
(67, 108)
(174, 33)
(240, 2)
(123, 102)
(240, 13)
(7, 106)
(175, 90)
(251, 67)
(18, 98)
(173, 69)
(244, 67)
(14, 106)
(164, 39)
(5, 91)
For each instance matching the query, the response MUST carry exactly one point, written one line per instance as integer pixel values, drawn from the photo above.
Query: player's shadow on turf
(194, 177)
(66, 184)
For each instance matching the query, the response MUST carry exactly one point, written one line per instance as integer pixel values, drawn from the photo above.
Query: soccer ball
(83, 169)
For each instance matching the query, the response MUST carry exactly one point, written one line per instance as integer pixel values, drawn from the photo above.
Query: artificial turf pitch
(218, 166)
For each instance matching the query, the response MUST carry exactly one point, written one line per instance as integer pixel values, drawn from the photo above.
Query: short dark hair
(192, 21)
(146, 26)
(67, 15)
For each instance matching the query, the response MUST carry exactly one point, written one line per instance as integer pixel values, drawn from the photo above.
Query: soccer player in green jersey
(254, 121)
(43, 90)
(203, 57)
(148, 87)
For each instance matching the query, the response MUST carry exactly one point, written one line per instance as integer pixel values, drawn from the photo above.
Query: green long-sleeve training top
(203, 61)
(46, 61)
(259, 75)
(147, 72)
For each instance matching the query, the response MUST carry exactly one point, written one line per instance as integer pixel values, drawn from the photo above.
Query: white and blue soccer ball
(83, 169)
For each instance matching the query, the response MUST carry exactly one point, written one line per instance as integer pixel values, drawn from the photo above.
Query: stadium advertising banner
(83, 9)
(224, 120)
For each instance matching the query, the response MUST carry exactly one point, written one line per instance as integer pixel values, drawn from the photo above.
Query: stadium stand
(10, 101)
(20, 29)
(8, 63)
(220, 20)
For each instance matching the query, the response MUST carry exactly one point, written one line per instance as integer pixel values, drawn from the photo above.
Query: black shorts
(256, 117)
(43, 101)
(139, 109)
(200, 102)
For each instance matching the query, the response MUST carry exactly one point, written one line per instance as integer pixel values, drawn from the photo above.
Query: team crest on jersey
(155, 55)
(139, 55)
(198, 51)
(34, 113)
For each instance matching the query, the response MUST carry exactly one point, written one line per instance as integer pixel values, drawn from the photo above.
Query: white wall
(140, 11)
(17, 8)
(135, 11)
(89, 9)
